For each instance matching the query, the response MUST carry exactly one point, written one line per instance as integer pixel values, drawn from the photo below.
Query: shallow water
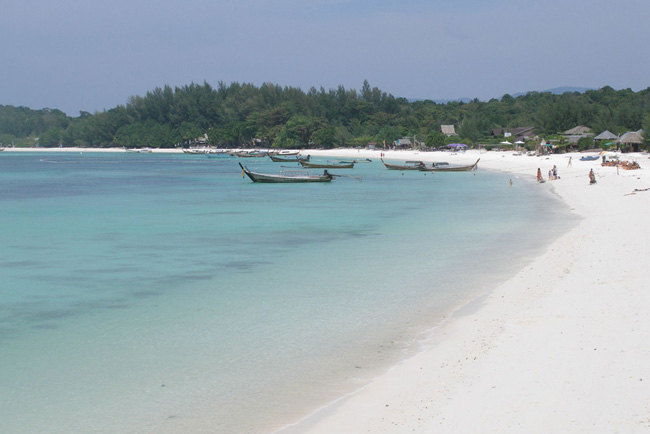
(165, 293)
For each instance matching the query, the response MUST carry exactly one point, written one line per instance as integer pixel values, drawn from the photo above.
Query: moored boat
(290, 159)
(251, 154)
(285, 152)
(286, 176)
(433, 166)
(454, 168)
(410, 165)
(139, 150)
(325, 166)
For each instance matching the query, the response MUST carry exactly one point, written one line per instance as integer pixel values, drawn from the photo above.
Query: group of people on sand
(552, 174)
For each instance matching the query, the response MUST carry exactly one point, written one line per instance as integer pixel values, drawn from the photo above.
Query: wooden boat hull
(270, 178)
(284, 153)
(277, 159)
(251, 155)
(325, 166)
(403, 167)
(456, 168)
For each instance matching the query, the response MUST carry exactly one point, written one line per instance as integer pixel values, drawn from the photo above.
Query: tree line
(243, 115)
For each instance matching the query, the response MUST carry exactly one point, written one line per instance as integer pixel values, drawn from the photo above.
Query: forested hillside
(286, 117)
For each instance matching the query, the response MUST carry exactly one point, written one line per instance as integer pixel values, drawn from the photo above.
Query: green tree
(189, 131)
(51, 138)
(387, 135)
(474, 128)
(585, 143)
(646, 131)
(435, 139)
(324, 136)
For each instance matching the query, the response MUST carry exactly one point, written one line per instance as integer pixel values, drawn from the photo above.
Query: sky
(88, 55)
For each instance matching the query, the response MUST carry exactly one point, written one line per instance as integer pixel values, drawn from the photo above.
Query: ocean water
(160, 293)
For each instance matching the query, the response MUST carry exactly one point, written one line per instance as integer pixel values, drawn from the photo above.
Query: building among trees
(631, 141)
(448, 130)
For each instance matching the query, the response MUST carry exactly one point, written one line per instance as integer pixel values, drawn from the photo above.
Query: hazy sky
(89, 55)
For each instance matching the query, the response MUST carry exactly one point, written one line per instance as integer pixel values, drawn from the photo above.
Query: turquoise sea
(160, 293)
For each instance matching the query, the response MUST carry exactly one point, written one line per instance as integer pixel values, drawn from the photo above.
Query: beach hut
(606, 136)
(403, 143)
(519, 133)
(580, 129)
(631, 141)
(576, 133)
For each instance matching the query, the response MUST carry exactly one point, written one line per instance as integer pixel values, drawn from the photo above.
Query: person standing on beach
(569, 165)
(592, 177)
(539, 175)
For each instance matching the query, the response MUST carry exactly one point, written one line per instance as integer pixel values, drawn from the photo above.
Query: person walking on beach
(569, 165)
(592, 177)
(554, 171)
(539, 175)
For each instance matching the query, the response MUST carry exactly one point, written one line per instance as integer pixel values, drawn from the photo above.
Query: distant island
(241, 115)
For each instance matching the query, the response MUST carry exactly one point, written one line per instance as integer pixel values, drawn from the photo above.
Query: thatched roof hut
(632, 137)
(632, 140)
(580, 129)
(606, 135)
(448, 130)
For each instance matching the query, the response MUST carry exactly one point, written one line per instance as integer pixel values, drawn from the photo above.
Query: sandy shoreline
(563, 346)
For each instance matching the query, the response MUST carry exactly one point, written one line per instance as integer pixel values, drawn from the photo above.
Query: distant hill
(555, 91)
(559, 90)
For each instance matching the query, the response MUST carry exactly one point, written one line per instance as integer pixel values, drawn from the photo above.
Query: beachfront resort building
(577, 133)
(408, 143)
(606, 138)
(517, 134)
(631, 141)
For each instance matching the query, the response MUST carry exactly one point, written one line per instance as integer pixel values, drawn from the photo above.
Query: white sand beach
(563, 346)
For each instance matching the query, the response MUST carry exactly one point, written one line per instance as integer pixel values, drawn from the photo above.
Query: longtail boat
(287, 159)
(411, 165)
(252, 154)
(287, 176)
(452, 168)
(325, 166)
(285, 152)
